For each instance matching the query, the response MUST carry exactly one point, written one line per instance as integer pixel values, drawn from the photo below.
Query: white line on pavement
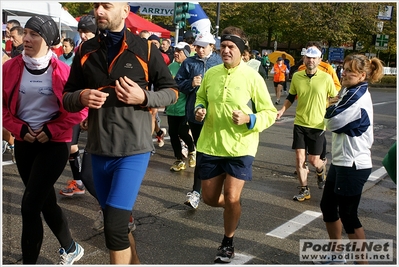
(383, 103)
(308, 216)
(239, 259)
(377, 174)
(8, 162)
(294, 224)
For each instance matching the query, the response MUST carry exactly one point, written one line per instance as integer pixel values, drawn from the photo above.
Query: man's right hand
(200, 114)
(197, 80)
(93, 98)
(279, 114)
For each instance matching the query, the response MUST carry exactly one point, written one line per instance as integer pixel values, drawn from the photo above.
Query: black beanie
(154, 37)
(87, 23)
(46, 27)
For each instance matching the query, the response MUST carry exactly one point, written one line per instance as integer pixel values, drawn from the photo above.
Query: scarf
(70, 54)
(37, 63)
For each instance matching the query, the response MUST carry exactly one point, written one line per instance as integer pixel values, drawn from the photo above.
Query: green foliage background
(295, 23)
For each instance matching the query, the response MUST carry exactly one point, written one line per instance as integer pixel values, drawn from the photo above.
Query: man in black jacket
(110, 76)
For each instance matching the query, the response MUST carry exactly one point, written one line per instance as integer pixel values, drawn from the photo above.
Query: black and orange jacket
(118, 129)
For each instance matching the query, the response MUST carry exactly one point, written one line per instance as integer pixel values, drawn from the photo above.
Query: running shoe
(160, 137)
(303, 194)
(191, 159)
(277, 102)
(225, 254)
(192, 199)
(73, 188)
(5, 144)
(131, 225)
(70, 258)
(178, 165)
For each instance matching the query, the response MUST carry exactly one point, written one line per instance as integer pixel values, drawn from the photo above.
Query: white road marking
(294, 224)
(383, 103)
(377, 174)
(239, 259)
(308, 216)
(8, 162)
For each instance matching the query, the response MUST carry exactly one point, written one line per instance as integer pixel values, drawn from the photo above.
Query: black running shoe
(225, 254)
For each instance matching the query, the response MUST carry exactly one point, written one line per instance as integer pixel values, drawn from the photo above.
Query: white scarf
(37, 63)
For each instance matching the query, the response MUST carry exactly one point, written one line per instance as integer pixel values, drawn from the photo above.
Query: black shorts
(348, 181)
(277, 83)
(212, 166)
(309, 139)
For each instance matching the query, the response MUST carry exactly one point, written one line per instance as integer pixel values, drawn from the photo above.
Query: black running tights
(40, 165)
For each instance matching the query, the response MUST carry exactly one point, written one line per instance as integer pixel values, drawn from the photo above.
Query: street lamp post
(217, 19)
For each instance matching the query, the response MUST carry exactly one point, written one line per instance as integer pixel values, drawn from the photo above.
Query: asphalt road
(271, 226)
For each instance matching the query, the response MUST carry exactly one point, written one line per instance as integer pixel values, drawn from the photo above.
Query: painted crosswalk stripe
(239, 259)
(377, 174)
(294, 224)
(8, 162)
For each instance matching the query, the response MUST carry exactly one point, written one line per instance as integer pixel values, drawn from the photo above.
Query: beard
(111, 26)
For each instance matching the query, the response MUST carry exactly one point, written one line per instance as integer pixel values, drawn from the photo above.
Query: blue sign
(336, 54)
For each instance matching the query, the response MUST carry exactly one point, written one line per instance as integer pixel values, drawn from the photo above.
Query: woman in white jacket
(351, 123)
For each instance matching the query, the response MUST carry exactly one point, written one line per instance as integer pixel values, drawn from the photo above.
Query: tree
(77, 9)
(334, 24)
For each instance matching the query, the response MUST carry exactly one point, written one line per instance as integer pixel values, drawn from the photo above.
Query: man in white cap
(312, 86)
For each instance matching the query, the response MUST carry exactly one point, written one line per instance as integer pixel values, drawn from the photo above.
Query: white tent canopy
(29, 8)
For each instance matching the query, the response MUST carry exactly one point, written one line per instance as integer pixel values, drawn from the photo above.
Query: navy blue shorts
(212, 166)
(309, 139)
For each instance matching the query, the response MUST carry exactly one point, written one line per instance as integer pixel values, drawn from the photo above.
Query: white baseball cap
(203, 39)
(185, 47)
(313, 52)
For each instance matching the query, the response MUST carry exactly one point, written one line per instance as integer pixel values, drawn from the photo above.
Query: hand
(240, 118)
(129, 92)
(31, 136)
(333, 100)
(84, 125)
(93, 98)
(200, 114)
(279, 114)
(197, 80)
(42, 137)
(38, 135)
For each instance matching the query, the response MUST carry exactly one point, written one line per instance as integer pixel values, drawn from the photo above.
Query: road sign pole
(177, 34)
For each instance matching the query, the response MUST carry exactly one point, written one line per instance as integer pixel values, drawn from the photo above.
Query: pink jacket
(59, 127)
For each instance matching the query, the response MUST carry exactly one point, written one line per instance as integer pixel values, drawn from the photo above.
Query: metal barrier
(389, 71)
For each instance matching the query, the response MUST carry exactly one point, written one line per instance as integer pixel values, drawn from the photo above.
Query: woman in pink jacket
(32, 111)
